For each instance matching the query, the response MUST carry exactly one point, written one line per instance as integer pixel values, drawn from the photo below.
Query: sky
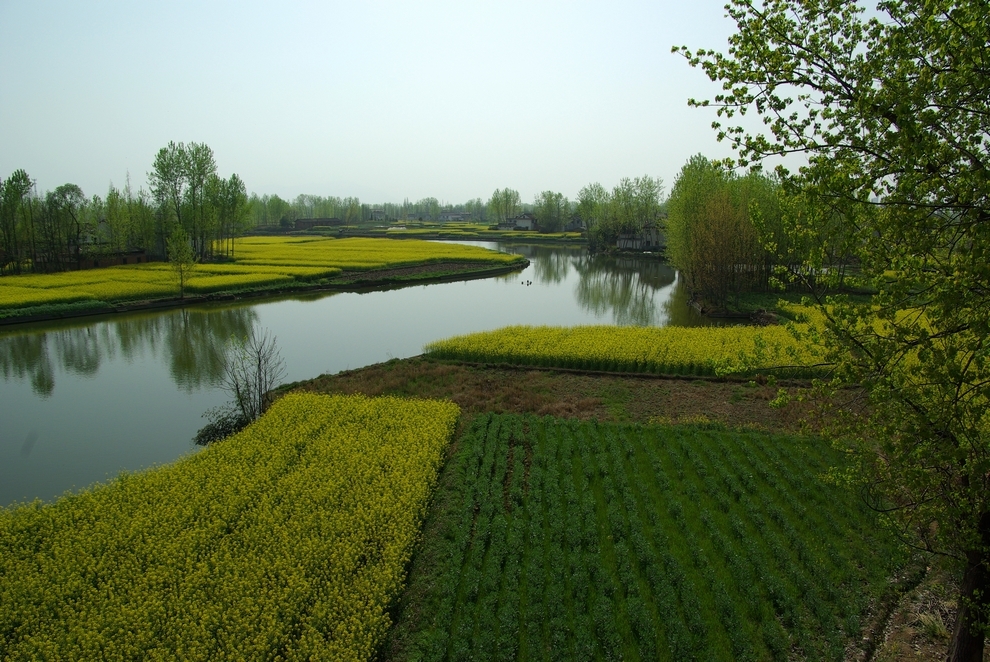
(380, 99)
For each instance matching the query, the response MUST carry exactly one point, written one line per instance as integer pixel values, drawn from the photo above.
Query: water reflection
(188, 340)
(625, 287)
(636, 290)
(551, 264)
(627, 290)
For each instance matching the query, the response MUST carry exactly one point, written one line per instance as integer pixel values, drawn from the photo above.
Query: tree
(711, 235)
(118, 220)
(551, 210)
(593, 208)
(503, 205)
(181, 257)
(168, 179)
(68, 204)
(13, 195)
(253, 367)
(892, 114)
(199, 166)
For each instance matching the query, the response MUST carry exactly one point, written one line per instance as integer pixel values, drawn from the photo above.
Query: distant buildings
(455, 216)
(524, 221)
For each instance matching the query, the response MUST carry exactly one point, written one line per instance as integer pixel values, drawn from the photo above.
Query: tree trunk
(968, 639)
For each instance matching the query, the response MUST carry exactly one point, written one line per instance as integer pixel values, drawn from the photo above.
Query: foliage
(503, 205)
(287, 541)
(60, 229)
(892, 113)
(222, 422)
(560, 539)
(664, 350)
(13, 195)
(551, 210)
(715, 223)
(188, 192)
(632, 205)
(180, 257)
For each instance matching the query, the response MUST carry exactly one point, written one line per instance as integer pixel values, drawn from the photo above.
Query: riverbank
(346, 281)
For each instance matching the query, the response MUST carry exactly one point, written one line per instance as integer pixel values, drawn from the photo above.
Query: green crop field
(564, 540)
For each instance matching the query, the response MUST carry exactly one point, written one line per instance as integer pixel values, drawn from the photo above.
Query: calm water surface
(82, 400)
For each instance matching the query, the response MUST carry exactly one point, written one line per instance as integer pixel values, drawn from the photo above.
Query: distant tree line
(271, 211)
(54, 230)
(59, 229)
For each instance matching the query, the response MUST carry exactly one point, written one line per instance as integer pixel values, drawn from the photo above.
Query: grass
(560, 539)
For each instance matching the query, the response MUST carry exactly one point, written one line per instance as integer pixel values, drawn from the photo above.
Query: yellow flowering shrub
(286, 541)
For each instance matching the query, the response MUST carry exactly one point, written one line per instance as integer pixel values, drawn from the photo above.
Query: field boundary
(728, 378)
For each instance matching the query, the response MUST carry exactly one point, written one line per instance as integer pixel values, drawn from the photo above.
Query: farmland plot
(578, 541)
(286, 541)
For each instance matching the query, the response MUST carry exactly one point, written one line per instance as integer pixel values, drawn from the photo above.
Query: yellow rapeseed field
(259, 262)
(287, 541)
(664, 350)
(358, 253)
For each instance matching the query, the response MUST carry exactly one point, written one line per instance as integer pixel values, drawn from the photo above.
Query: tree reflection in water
(189, 340)
(623, 286)
(627, 287)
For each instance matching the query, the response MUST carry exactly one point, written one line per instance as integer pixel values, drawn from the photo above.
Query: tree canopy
(892, 113)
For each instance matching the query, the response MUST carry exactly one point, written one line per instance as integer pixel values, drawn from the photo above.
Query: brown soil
(606, 397)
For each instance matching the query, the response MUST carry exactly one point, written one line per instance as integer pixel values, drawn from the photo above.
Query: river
(82, 400)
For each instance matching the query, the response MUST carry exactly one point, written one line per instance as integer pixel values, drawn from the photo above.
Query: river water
(83, 400)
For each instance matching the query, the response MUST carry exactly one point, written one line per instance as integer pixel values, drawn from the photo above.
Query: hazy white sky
(382, 99)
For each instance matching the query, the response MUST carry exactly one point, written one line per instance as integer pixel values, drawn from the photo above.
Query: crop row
(286, 541)
(664, 350)
(576, 540)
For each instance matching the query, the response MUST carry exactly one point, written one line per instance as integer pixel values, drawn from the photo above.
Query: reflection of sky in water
(84, 399)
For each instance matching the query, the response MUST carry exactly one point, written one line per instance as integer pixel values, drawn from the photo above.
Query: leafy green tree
(199, 167)
(892, 114)
(503, 205)
(181, 257)
(13, 196)
(551, 211)
(168, 180)
(68, 206)
(118, 220)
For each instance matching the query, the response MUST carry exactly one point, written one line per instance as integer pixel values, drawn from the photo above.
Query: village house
(524, 221)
